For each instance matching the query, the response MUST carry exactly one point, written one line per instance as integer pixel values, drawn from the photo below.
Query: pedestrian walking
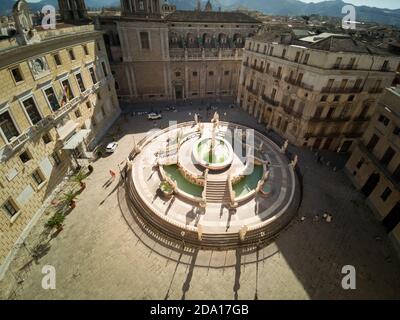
(113, 174)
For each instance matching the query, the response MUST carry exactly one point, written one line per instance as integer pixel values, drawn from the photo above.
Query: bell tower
(73, 11)
(145, 8)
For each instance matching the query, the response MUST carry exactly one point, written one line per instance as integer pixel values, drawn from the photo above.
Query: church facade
(181, 55)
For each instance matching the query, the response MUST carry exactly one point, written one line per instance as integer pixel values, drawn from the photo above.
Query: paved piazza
(104, 253)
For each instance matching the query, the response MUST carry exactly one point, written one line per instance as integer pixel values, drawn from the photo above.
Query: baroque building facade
(57, 98)
(374, 166)
(319, 91)
(186, 54)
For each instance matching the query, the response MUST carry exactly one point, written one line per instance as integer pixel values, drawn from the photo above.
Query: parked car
(111, 147)
(154, 116)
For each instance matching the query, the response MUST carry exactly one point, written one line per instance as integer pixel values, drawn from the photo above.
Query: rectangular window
(67, 91)
(338, 63)
(211, 73)
(103, 65)
(330, 113)
(71, 54)
(46, 138)
(385, 66)
(52, 99)
(17, 75)
(98, 46)
(330, 83)
(194, 74)
(57, 59)
(7, 126)
(296, 59)
(360, 163)
(31, 110)
(88, 104)
(37, 177)
(144, 40)
(357, 84)
(388, 156)
(306, 58)
(351, 63)
(56, 158)
(78, 113)
(373, 142)
(384, 120)
(386, 194)
(93, 75)
(10, 208)
(85, 49)
(80, 82)
(396, 174)
(226, 73)
(318, 112)
(25, 156)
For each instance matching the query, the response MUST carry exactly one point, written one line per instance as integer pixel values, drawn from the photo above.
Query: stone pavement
(97, 256)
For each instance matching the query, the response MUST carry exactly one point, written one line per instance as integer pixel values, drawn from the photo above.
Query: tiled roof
(211, 16)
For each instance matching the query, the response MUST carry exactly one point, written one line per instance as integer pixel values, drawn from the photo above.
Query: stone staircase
(217, 191)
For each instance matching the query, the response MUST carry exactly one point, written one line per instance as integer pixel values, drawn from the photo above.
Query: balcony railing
(336, 119)
(289, 110)
(375, 90)
(298, 84)
(205, 54)
(270, 101)
(277, 75)
(340, 90)
(253, 91)
(361, 119)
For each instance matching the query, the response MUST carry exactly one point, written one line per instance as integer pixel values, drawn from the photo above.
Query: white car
(154, 116)
(111, 147)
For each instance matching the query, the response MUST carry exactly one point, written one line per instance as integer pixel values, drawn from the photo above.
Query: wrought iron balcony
(341, 90)
(270, 101)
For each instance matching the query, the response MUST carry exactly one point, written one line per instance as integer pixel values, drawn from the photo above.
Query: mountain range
(273, 7)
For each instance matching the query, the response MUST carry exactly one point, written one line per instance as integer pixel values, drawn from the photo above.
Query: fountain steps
(217, 192)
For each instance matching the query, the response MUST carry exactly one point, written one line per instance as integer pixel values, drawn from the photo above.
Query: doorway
(370, 185)
(317, 143)
(393, 218)
(346, 146)
(328, 143)
(178, 92)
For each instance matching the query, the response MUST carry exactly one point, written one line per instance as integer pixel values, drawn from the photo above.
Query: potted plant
(69, 198)
(56, 221)
(79, 177)
(90, 168)
(166, 188)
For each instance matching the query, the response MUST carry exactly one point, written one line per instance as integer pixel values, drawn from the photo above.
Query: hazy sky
(391, 4)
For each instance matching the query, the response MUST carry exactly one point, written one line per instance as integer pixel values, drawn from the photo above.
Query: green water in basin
(186, 186)
(249, 182)
(219, 155)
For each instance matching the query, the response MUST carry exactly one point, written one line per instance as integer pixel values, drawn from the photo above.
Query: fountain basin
(220, 157)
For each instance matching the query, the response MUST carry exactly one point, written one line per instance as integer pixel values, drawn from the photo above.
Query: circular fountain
(188, 183)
